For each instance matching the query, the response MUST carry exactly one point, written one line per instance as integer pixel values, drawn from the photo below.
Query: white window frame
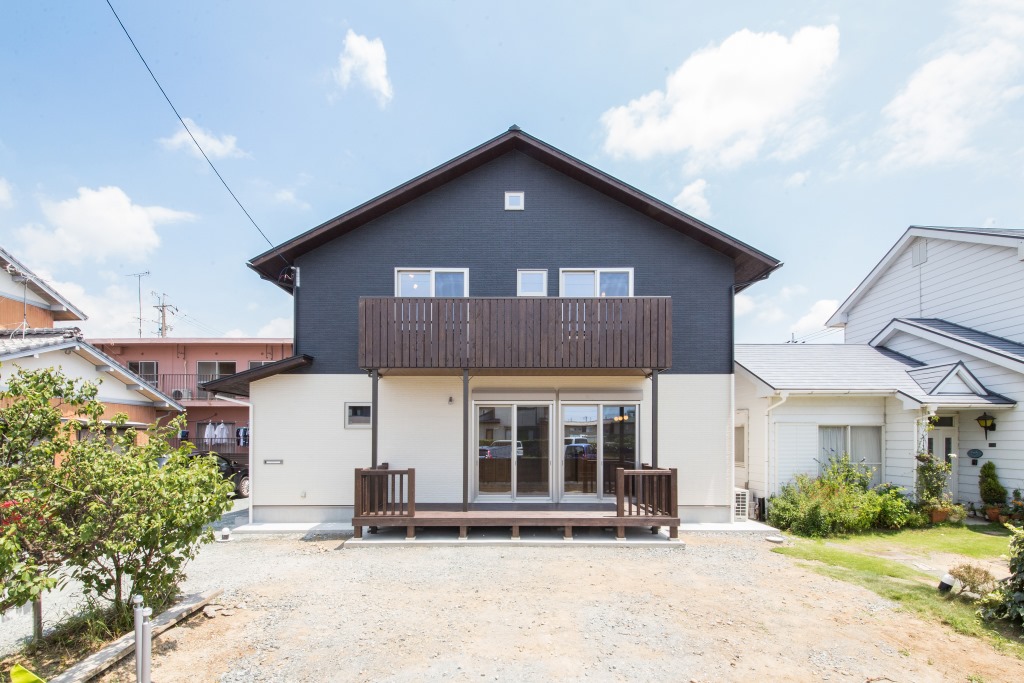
(848, 444)
(597, 277)
(522, 201)
(433, 272)
(143, 374)
(358, 404)
(519, 281)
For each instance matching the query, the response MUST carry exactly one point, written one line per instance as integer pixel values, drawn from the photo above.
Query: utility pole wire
(185, 126)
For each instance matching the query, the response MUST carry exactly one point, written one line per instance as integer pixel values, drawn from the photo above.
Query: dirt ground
(725, 608)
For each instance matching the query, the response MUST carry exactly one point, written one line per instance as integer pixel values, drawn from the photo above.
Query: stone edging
(98, 662)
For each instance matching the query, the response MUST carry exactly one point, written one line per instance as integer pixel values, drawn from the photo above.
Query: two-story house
(515, 325)
(933, 353)
(178, 366)
(29, 309)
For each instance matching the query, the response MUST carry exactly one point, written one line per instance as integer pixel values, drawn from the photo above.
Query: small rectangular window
(357, 415)
(590, 282)
(532, 282)
(421, 282)
(515, 201)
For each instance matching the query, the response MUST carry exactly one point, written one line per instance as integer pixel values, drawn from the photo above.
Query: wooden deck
(515, 519)
(644, 498)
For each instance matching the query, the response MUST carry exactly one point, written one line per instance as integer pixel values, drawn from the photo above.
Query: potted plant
(993, 494)
(932, 475)
(1017, 505)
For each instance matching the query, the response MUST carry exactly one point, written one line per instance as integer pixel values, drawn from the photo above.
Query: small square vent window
(515, 201)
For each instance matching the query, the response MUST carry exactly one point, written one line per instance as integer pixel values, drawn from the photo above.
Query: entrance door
(514, 451)
(942, 441)
(597, 439)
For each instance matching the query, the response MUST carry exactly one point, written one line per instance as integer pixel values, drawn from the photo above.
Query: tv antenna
(139, 277)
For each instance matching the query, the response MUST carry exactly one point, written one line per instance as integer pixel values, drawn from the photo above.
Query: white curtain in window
(866, 449)
(831, 444)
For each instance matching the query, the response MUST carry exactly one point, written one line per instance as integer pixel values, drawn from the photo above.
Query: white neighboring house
(934, 339)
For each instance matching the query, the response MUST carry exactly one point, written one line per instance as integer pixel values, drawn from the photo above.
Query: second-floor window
(146, 369)
(590, 282)
(443, 282)
(259, 363)
(209, 370)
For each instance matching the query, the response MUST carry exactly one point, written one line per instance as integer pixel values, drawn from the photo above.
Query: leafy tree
(40, 412)
(140, 511)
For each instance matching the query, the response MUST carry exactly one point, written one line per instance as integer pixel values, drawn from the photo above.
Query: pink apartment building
(178, 366)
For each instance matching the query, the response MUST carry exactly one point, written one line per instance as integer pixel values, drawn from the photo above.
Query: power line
(187, 130)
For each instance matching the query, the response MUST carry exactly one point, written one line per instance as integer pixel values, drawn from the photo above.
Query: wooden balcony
(515, 333)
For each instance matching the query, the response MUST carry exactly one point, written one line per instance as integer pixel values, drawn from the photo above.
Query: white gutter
(231, 399)
(772, 465)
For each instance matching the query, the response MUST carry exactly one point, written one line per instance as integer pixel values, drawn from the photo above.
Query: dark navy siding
(565, 225)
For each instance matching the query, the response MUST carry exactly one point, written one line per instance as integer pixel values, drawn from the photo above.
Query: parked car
(506, 443)
(498, 451)
(580, 451)
(234, 472)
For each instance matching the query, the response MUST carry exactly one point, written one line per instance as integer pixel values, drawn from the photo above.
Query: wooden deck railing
(646, 493)
(385, 493)
(515, 332)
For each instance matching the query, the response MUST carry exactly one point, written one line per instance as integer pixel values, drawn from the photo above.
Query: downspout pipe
(768, 440)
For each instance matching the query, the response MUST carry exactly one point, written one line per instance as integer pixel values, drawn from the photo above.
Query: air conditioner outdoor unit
(742, 498)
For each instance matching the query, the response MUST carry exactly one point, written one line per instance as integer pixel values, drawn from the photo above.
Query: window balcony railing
(611, 333)
(185, 387)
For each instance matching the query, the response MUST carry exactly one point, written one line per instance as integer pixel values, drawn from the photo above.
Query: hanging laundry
(221, 433)
(209, 434)
(242, 436)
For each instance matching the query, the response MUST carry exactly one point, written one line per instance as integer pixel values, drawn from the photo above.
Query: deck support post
(654, 418)
(465, 440)
(375, 374)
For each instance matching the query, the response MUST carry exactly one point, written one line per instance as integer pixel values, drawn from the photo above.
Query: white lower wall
(299, 419)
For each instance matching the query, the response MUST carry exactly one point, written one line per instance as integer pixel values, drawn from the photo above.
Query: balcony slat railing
(515, 333)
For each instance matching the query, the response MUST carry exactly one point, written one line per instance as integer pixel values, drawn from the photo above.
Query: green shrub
(1007, 601)
(837, 502)
(993, 493)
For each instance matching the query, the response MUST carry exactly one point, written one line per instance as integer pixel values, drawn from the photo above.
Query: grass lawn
(854, 560)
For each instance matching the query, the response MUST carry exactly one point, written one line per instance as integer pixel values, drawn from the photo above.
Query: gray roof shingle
(854, 368)
(970, 336)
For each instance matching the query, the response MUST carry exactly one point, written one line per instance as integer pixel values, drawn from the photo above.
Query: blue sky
(816, 132)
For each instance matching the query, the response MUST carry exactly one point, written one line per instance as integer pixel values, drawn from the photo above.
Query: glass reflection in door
(579, 448)
(494, 430)
(532, 451)
(619, 437)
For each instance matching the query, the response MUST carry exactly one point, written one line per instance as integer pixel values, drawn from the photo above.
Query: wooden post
(620, 492)
(375, 373)
(412, 491)
(465, 440)
(654, 418)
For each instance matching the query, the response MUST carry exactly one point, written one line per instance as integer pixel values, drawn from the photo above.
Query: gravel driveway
(723, 609)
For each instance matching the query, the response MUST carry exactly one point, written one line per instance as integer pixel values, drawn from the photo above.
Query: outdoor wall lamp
(987, 422)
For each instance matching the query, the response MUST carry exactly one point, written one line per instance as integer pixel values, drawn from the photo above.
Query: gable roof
(947, 379)
(238, 383)
(61, 308)
(989, 347)
(850, 369)
(19, 344)
(750, 264)
(998, 236)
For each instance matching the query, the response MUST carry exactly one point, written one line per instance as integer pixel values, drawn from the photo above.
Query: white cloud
(814, 320)
(365, 61)
(112, 312)
(797, 179)
(727, 103)
(692, 199)
(236, 333)
(215, 147)
(278, 327)
(94, 226)
(6, 194)
(934, 118)
(287, 196)
(743, 304)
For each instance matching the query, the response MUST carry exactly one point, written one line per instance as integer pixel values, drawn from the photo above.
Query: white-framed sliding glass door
(597, 438)
(514, 451)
